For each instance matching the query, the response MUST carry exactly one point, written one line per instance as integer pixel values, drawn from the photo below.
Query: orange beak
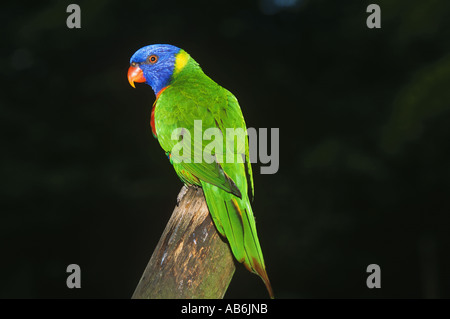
(135, 74)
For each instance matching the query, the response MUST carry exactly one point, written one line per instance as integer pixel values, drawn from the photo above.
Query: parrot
(185, 95)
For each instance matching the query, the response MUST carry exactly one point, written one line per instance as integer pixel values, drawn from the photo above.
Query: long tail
(234, 220)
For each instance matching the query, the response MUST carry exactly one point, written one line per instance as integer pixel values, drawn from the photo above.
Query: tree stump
(191, 259)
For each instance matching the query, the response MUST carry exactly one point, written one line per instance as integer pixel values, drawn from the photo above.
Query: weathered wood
(191, 259)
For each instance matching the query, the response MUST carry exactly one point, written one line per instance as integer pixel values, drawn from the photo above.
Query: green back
(194, 96)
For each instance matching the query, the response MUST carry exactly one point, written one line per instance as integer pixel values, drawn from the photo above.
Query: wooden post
(191, 259)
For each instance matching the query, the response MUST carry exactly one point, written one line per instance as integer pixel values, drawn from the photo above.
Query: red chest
(152, 118)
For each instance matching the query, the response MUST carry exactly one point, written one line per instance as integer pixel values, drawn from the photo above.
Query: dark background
(364, 132)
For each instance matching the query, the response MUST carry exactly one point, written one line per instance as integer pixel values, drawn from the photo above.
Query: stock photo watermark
(74, 279)
(214, 145)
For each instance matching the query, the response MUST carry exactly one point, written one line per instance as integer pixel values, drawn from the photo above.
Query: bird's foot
(181, 194)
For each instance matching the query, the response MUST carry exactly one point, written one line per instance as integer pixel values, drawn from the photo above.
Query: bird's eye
(152, 59)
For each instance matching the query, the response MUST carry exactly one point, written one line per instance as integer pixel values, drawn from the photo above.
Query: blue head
(153, 64)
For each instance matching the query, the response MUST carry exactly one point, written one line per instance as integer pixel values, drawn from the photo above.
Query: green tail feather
(234, 220)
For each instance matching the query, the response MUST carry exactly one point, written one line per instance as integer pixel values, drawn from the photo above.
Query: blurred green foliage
(364, 124)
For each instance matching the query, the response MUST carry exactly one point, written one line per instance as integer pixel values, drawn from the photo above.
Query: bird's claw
(181, 194)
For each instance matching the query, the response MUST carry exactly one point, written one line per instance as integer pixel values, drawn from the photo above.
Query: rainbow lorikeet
(184, 97)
